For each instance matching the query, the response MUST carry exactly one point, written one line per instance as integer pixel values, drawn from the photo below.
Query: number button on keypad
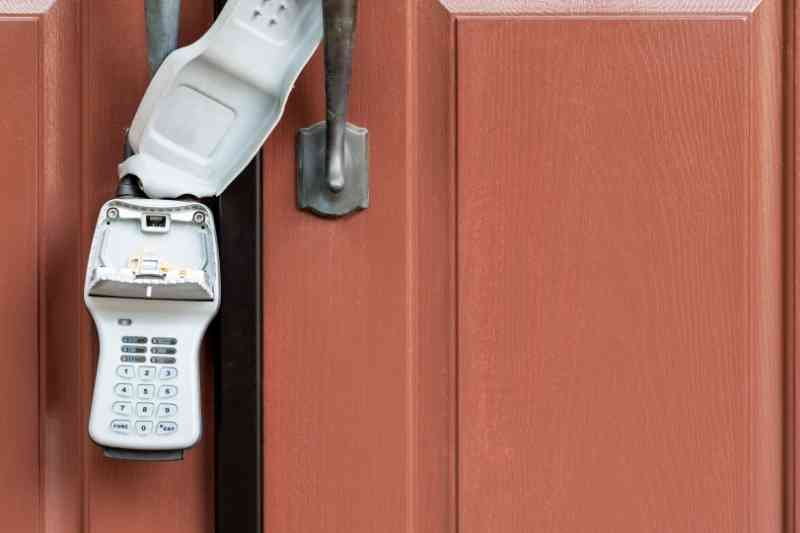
(168, 372)
(167, 391)
(122, 408)
(166, 410)
(125, 371)
(147, 372)
(123, 389)
(166, 428)
(147, 392)
(143, 427)
(145, 410)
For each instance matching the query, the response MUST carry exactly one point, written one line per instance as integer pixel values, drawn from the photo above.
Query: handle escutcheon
(333, 156)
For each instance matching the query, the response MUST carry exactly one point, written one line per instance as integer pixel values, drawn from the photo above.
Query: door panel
(19, 240)
(619, 267)
(563, 310)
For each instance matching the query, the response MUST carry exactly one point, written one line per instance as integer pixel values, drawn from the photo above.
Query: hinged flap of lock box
(212, 104)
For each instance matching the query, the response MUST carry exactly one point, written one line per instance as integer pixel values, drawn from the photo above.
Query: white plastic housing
(190, 248)
(212, 104)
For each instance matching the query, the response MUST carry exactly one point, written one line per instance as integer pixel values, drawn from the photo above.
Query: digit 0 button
(143, 427)
(166, 428)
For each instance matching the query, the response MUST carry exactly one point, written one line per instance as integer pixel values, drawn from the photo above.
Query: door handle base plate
(313, 191)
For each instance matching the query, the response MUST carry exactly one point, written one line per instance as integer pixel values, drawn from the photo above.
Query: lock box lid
(211, 105)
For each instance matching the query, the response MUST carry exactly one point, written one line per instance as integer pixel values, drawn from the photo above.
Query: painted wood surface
(620, 274)
(562, 312)
(19, 273)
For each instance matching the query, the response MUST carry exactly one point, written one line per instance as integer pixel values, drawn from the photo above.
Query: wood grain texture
(61, 269)
(123, 496)
(21, 50)
(434, 306)
(339, 384)
(619, 267)
(609, 7)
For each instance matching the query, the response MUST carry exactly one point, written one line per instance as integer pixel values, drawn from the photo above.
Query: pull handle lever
(333, 156)
(339, 18)
(162, 20)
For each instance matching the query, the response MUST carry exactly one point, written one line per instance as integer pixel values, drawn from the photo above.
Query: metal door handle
(163, 19)
(333, 161)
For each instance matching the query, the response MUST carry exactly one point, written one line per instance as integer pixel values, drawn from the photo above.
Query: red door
(569, 308)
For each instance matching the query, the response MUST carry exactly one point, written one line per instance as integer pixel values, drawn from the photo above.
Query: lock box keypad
(145, 394)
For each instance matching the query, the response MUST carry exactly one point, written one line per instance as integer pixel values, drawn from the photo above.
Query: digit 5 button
(146, 392)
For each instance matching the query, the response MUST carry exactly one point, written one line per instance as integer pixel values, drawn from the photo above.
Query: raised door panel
(619, 227)
(20, 53)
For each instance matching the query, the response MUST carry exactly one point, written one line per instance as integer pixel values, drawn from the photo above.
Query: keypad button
(147, 392)
(134, 340)
(170, 341)
(168, 372)
(147, 372)
(166, 410)
(144, 427)
(162, 350)
(145, 410)
(122, 408)
(121, 426)
(133, 358)
(166, 428)
(125, 371)
(124, 389)
(167, 391)
(133, 349)
(162, 360)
